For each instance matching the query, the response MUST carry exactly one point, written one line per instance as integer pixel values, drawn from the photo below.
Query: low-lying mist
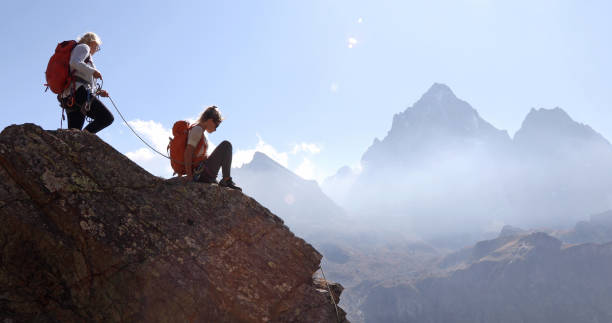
(459, 191)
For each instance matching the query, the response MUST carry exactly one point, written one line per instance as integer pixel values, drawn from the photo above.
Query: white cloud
(306, 147)
(140, 155)
(352, 42)
(242, 157)
(360, 20)
(306, 170)
(153, 131)
(157, 136)
(357, 168)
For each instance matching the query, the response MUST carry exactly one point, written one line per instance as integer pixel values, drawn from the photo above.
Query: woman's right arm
(187, 159)
(194, 136)
(77, 60)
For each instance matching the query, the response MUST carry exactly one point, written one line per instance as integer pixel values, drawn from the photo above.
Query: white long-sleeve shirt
(82, 68)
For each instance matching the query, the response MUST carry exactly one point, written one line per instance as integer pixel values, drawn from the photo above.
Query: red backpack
(177, 145)
(58, 70)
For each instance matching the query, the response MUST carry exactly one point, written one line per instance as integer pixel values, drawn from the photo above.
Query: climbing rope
(127, 124)
(331, 295)
(96, 93)
(98, 89)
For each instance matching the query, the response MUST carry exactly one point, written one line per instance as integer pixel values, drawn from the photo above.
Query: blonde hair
(90, 37)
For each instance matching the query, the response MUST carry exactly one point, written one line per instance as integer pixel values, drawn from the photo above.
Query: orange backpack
(177, 145)
(58, 69)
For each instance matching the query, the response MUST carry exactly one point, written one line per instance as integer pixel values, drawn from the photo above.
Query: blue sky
(311, 83)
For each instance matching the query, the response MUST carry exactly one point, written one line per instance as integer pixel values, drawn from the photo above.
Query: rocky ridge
(87, 235)
(521, 278)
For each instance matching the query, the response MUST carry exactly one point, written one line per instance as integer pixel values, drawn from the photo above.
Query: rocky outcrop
(523, 278)
(598, 229)
(88, 236)
(509, 230)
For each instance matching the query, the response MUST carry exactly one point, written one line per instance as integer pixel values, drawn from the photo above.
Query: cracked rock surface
(86, 235)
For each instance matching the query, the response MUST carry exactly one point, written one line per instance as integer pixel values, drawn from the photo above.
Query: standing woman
(84, 73)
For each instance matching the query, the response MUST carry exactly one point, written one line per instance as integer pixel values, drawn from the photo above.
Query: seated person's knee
(226, 143)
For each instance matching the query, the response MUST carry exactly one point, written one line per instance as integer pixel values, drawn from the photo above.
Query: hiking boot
(229, 183)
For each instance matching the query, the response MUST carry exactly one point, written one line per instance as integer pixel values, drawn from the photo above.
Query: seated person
(221, 157)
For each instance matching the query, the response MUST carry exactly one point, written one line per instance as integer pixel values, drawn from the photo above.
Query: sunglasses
(217, 123)
(96, 48)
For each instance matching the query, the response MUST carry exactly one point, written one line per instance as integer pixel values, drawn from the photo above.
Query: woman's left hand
(103, 93)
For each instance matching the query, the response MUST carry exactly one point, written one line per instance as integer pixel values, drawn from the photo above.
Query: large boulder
(87, 235)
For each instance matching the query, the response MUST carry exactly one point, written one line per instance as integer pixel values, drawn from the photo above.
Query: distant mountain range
(524, 273)
(443, 167)
(445, 174)
(515, 278)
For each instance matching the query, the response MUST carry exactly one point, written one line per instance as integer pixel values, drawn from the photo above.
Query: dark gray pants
(221, 157)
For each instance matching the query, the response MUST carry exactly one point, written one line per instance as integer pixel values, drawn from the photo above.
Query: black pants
(221, 157)
(98, 112)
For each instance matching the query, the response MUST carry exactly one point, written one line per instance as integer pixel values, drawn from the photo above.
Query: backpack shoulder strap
(202, 139)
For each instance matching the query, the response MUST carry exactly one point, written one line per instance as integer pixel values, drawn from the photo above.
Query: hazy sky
(311, 83)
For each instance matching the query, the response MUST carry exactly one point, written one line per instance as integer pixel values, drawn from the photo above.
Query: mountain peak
(438, 119)
(440, 100)
(556, 116)
(439, 92)
(441, 112)
(554, 124)
(264, 163)
(260, 157)
(441, 88)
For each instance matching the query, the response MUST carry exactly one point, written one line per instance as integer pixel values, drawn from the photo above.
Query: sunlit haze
(330, 74)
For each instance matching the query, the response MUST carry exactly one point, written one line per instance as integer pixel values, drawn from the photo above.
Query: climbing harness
(69, 101)
(331, 295)
(66, 102)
